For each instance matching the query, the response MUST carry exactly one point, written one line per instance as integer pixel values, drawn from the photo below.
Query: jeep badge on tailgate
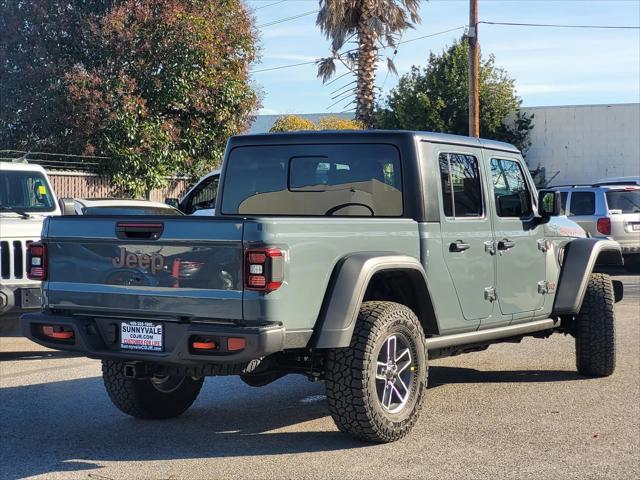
(154, 262)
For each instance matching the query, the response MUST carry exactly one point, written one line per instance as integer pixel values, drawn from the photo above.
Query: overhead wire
(269, 5)
(287, 19)
(558, 25)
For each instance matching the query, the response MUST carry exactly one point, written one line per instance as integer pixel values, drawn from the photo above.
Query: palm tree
(374, 24)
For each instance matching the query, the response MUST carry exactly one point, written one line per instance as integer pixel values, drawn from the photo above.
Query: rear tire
(375, 387)
(149, 398)
(595, 332)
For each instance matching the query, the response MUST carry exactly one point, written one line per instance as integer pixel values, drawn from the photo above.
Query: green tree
(158, 86)
(373, 23)
(435, 98)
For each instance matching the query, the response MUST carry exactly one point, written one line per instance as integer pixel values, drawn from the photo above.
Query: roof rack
(600, 184)
(571, 186)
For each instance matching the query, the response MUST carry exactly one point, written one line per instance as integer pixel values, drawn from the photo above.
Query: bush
(292, 123)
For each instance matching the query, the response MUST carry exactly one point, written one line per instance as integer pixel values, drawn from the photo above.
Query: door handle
(459, 246)
(506, 244)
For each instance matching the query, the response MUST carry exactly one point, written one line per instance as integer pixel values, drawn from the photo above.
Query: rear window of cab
(360, 180)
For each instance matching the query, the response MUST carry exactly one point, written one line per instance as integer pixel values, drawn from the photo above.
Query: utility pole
(474, 99)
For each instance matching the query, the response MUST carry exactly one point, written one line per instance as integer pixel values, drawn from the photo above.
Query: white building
(584, 143)
(573, 144)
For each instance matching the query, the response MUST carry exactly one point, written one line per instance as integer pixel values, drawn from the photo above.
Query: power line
(316, 60)
(283, 66)
(287, 19)
(433, 34)
(555, 25)
(269, 5)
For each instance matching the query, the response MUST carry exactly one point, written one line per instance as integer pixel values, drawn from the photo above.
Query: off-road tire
(350, 375)
(594, 329)
(141, 399)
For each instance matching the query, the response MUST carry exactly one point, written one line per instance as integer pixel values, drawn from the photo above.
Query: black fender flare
(347, 288)
(581, 257)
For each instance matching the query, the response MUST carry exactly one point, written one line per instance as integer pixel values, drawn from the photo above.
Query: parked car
(342, 256)
(609, 210)
(107, 206)
(26, 199)
(201, 198)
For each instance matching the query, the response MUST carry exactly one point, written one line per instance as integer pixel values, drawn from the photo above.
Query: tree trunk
(367, 58)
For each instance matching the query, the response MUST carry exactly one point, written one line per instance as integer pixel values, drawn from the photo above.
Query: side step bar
(491, 334)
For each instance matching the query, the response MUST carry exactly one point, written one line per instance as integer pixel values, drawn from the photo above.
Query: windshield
(313, 180)
(133, 210)
(628, 201)
(25, 191)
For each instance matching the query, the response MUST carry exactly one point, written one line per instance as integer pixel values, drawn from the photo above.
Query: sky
(551, 66)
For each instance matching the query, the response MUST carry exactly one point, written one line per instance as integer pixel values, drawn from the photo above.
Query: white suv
(611, 210)
(26, 198)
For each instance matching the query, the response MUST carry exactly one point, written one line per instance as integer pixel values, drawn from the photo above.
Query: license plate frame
(142, 336)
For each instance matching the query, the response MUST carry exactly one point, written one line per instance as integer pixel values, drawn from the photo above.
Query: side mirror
(549, 203)
(172, 202)
(67, 206)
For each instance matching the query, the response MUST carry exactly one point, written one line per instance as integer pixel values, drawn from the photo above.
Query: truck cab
(26, 199)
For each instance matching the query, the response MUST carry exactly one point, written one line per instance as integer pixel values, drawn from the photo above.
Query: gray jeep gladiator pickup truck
(348, 257)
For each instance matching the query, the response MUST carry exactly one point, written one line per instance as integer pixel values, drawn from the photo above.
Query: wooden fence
(91, 185)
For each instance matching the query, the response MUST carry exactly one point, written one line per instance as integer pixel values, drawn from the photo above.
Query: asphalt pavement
(514, 411)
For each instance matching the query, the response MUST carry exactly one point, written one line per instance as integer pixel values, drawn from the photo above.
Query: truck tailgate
(159, 267)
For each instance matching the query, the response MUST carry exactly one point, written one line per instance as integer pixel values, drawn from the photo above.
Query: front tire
(375, 387)
(149, 398)
(594, 329)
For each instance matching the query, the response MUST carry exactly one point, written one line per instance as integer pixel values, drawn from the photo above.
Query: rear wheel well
(406, 287)
(608, 258)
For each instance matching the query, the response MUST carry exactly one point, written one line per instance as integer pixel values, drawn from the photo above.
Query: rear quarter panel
(313, 247)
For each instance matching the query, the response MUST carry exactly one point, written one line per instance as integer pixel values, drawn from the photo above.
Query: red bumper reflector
(234, 344)
(204, 345)
(49, 331)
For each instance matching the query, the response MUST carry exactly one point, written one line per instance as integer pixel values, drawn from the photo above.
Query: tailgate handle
(139, 231)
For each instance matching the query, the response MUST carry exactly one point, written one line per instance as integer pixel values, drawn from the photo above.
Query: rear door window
(461, 188)
(582, 203)
(627, 201)
(314, 180)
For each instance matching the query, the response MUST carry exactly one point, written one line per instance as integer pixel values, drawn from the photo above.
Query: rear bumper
(99, 338)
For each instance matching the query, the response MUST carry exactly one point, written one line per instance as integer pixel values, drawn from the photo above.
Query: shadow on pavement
(443, 375)
(36, 355)
(71, 425)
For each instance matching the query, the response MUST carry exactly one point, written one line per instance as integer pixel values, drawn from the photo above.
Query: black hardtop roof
(357, 136)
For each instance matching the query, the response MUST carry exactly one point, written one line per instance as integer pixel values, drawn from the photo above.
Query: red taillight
(264, 269)
(604, 225)
(37, 262)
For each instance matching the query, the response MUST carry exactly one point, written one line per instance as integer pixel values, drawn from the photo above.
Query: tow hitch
(134, 370)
